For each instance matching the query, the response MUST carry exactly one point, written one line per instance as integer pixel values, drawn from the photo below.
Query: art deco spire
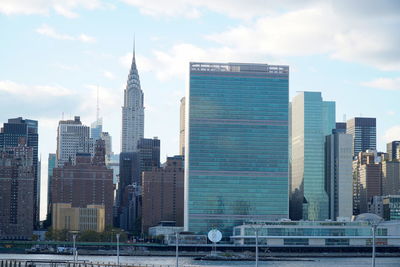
(133, 110)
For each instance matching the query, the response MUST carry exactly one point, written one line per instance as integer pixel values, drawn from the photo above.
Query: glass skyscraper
(312, 119)
(363, 131)
(236, 156)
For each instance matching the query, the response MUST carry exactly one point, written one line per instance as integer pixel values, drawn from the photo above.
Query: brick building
(17, 182)
(88, 182)
(162, 194)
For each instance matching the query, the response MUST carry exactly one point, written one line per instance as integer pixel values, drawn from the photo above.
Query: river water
(187, 261)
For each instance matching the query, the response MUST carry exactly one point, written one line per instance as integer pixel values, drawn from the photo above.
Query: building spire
(97, 106)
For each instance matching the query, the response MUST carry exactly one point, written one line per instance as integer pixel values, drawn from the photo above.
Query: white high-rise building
(132, 111)
(72, 137)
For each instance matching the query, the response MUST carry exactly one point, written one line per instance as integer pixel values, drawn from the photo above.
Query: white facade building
(339, 174)
(132, 111)
(72, 137)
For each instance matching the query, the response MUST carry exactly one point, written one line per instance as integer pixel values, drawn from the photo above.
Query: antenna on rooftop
(62, 115)
(97, 107)
(344, 117)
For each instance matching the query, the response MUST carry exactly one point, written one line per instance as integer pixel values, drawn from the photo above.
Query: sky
(54, 54)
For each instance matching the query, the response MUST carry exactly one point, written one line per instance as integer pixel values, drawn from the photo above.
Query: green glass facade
(312, 119)
(237, 145)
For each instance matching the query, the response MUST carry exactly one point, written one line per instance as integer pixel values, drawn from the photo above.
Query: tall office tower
(341, 127)
(363, 131)
(132, 111)
(162, 190)
(72, 138)
(182, 127)
(149, 155)
(339, 174)
(236, 161)
(17, 183)
(87, 185)
(9, 137)
(108, 141)
(361, 159)
(370, 183)
(392, 150)
(132, 164)
(96, 128)
(51, 164)
(312, 119)
(390, 177)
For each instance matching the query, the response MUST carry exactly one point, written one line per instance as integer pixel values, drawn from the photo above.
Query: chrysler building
(132, 111)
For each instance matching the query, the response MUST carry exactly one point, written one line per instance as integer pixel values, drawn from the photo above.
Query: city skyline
(65, 52)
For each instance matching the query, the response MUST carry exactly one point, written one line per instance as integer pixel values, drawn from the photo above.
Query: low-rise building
(317, 233)
(78, 219)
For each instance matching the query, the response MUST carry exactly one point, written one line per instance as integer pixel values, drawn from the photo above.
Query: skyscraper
(392, 150)
(96, 128)
(131, 165)
(10, 134)
(339, 174)
(182, 127)
(51, 164)
(72, 138)
(236, 161)
(17, 177)
(162, 190)
(363, 131)
(312, 119)
(132, 111)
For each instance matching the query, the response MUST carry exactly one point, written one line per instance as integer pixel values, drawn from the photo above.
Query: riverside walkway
(67, 263)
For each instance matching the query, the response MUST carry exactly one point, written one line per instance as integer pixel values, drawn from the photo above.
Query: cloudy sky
(55, 53)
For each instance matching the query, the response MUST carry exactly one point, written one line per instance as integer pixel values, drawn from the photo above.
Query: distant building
(108, 141)
(390, 177)
(391, 207)
(51, 164)
(367, 157)
(392, 150)
(370, 183)
(132, 111)
(236, 158)
(338, 174)
(363, 131)
(96, 128)
(10, 134)
(17, 183)
(72, 138)
(132, 164)
(162, 194)
(182, 126)
(341, 127)
(87, 182)
(375, 205)
(91, 217)
(312, 119)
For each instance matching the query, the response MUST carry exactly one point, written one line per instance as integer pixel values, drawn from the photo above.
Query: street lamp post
(118, 249)
(374, 226)
(256, 230)
(74, 249)
(177, 248)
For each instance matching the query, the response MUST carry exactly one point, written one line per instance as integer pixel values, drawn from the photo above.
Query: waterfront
(188, 261)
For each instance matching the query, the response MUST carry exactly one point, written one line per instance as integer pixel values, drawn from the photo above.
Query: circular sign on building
(215, 235)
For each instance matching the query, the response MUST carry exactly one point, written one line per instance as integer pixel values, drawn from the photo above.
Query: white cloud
(324, 28)
(392, 134)
(52, 33)
(232, 8)
(44, 7)
(35, 91)
(392, 84)
(108, 75)
(86, 38)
